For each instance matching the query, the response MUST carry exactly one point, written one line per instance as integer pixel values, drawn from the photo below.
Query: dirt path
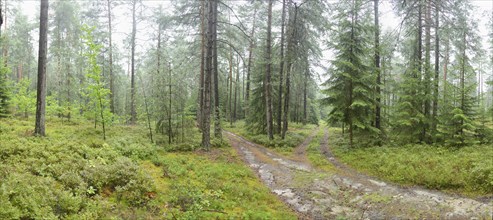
(316, 194)
(300, 151)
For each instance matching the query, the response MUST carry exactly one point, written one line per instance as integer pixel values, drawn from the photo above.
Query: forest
(246, 109)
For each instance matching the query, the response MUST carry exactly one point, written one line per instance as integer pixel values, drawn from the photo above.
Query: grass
(73, 173)
(315, 156)
(467, 171)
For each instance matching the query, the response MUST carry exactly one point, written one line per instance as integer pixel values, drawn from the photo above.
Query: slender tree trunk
(427, 76)
(249, 67)
(305, 90)
(290, 53)
(206, 111)
(420, 62)
(267, 80)
(39, 128)
(236, 87)
(112, 78)
(133, 113)
(445, 69)
(281, 69)
(230, 99)
(462, 80)
(350, 89)
(377, 66)
(69, 100)
(437, 68)
(1, 18)
(217, 110)
(169, 105)
(147, 111)
(202, 63)
(6, 46)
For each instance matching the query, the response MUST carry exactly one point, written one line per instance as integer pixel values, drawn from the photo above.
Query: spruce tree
(350, 85)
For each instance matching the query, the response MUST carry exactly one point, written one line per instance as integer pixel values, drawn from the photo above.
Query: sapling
(95, 90)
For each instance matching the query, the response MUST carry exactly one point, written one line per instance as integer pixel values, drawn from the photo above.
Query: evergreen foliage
(349, 88)
(4, 90)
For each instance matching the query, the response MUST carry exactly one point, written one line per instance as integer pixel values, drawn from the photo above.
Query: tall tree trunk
(112, 78)
(170, 132)
(267, 80)
(291, 39)
(230, 99)
(39, 128)
(133, 113)
(217, 111)
(236, 86)
(281, 69)
(305, 90)
(206, 110)
(462, 80)
(420, 61)
(427, 76)
(249, 67)
(437, 68)
(351, 87)
(6, 46)
(202, 63)
(377, 66)
(69, 100)
(445, 68)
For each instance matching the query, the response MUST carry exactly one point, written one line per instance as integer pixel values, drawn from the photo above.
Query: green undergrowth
(214, 185)
(73, 174)
(467, 170)
(294, 136)
(314, 155)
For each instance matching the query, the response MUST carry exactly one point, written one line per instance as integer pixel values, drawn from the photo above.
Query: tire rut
(316, 194)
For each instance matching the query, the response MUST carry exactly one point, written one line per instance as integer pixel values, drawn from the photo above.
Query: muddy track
(316, 194)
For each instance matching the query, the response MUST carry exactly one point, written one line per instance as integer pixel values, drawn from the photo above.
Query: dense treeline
(424, 84)
(189, 64)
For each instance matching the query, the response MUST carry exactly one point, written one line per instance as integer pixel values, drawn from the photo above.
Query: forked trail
(317, 194)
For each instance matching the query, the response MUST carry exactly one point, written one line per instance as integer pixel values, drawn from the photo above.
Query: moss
(72, 173)
(467, 170)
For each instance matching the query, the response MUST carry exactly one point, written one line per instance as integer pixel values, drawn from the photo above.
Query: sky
(387, 18)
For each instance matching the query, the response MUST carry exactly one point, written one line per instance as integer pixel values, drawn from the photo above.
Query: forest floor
(321, 190)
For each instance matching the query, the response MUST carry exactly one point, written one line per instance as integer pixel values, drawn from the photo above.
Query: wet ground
(345, 193)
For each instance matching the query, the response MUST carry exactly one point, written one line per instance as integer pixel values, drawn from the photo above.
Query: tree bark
(437, 68)
(281, 69)
(267, 80)
(305, 91)
(249, 67)
(207, 80)
(462, 80)
(133, 113)
(39, 128)
(427, 76)
(202, 63)
(217, 111)
(377, 66)
(112, 78)
(230, 99)
(236, 87)
(420, 62)
(288, 73)
(170, 132)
